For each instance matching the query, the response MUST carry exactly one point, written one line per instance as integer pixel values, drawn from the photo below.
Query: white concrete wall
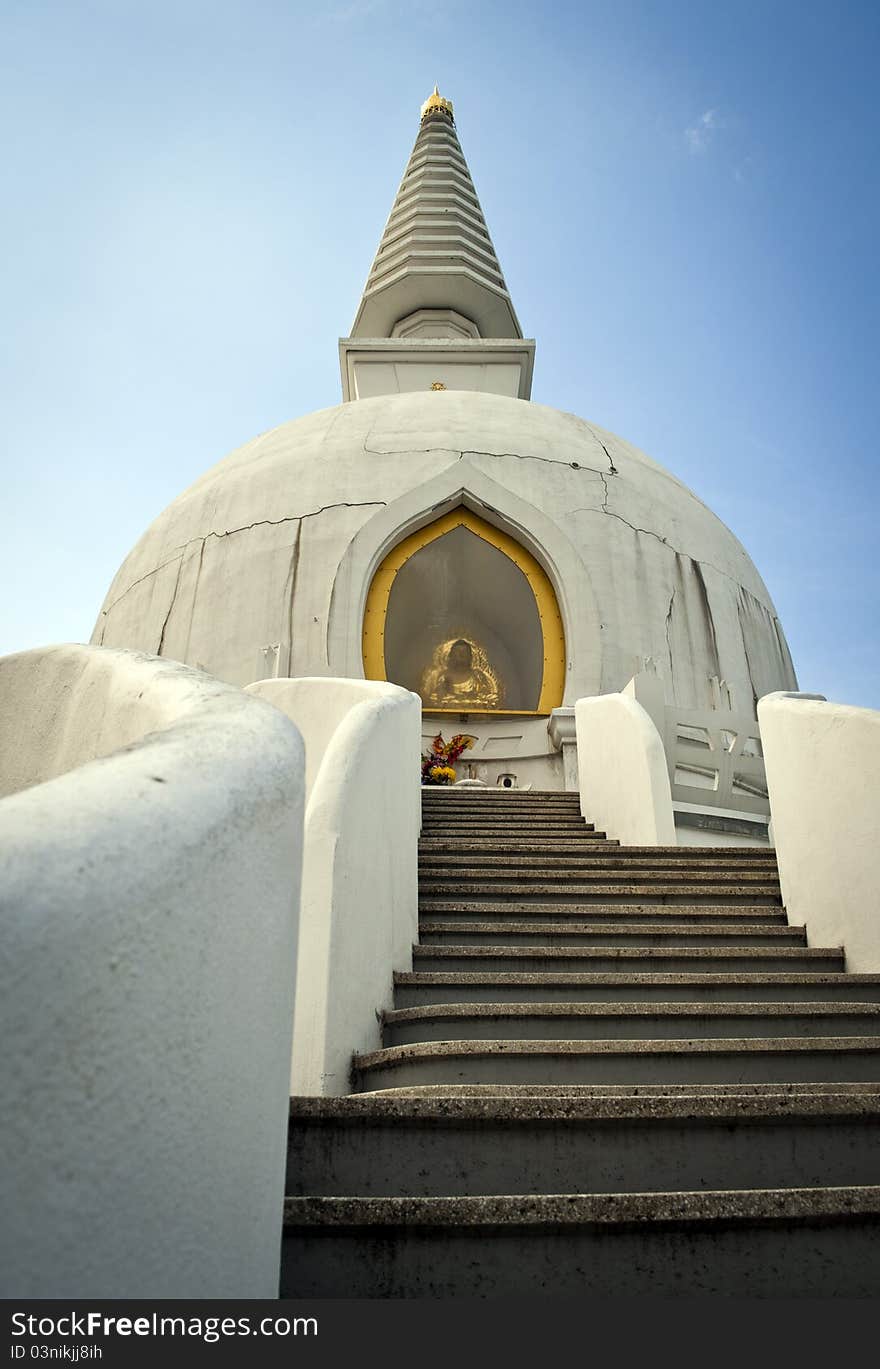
(62, 706)
(360, 874)
(148, 905)
(822, 761)
(624, 782)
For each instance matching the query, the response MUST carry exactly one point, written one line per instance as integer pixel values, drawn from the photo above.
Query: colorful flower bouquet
(438, 764)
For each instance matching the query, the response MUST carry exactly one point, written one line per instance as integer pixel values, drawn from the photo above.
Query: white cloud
(700, 134)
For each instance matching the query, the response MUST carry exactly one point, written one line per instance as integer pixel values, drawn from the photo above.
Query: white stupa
(214, 897)
(438, 505)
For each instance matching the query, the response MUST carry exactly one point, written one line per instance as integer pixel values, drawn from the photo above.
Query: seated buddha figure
(460, 677)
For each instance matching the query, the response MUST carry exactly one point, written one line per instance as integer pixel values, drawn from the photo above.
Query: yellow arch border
(375, 612)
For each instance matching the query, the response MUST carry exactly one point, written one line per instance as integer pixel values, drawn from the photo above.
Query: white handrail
(148, 905)
(360, 871)
(823, 760)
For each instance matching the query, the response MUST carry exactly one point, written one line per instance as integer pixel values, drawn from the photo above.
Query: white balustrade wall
(624, 787)
(823, 760)
(150, 850)
(360, 874)
(714, 755)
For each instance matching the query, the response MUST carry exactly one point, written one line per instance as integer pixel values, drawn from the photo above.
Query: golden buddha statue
(461, 678)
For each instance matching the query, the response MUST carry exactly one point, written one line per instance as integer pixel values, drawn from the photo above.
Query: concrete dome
(262, 566)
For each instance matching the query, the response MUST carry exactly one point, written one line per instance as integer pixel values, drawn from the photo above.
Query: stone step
(452, 910)
(418, 988)
(434, 932)
(587, 871)
(469, 959)
(620, 1021)
(753, 1243)
(477, 794)
(510, 1143)
(538, 831)
(682, 857)
(504, 810)
(598, 855)
(535, 841)
(582, 846)
(582, 843)
(511, 798)
(626, 890)
(501, 802)
(519, 821)
(730, 1060)
(504, 816)
(787, 1093)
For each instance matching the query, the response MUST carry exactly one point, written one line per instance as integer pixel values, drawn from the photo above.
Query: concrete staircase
(612, 1071)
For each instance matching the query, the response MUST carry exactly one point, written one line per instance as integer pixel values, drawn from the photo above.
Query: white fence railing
(150, 851)
(714, 756)
(359, 915)
(822, 764)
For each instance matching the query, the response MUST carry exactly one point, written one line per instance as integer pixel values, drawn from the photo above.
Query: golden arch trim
(375, 612)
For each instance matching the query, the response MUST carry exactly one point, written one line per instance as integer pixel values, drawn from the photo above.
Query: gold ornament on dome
(461, 677)
(437, 385)
(435, 104)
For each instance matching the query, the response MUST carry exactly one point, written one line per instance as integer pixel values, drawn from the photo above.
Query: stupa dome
(441, 531)
(264, 565)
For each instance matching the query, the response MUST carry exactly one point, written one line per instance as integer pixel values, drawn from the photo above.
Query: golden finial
(436, 104)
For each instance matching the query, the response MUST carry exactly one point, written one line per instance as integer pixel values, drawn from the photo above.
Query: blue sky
(683, 197)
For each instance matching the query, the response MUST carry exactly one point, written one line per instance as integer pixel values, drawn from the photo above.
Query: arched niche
(462, 614)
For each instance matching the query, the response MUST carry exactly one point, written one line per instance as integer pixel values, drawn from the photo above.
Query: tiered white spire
(436, 254)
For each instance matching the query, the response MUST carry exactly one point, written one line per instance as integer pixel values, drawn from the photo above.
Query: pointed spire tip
(436, 104)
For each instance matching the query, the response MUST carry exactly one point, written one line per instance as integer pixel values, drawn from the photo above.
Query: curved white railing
(360, 872)
(148, 906)
(822, 763)
(623, 779)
